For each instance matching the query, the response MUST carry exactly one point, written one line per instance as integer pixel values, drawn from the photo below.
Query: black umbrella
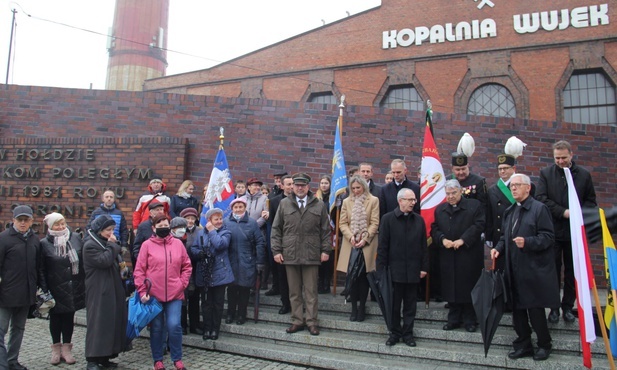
(354, 270)
(489, 298)
(593, 227)
(381, 285)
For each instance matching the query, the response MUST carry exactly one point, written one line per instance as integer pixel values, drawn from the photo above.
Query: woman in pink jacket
(163, 260)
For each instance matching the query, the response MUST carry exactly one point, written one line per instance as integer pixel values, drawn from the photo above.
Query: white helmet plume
(466, 145)
(514, 147)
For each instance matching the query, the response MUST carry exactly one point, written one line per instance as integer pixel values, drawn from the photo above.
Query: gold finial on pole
(221, 137)
(342, 105)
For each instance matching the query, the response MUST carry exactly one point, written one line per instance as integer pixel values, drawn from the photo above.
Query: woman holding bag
(163, 260)
(359, 223)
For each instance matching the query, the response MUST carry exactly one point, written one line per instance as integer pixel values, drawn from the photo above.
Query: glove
(489, 244)
(260, 268)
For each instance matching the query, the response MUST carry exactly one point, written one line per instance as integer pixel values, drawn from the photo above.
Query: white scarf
(64, 248)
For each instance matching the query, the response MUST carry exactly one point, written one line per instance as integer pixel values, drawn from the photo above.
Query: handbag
(44, 303)
(207, 262)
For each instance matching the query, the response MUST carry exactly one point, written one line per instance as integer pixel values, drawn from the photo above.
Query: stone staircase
(351, 345)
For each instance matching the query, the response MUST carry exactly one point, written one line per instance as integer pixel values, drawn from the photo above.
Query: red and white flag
(582, 271)
(432, 180)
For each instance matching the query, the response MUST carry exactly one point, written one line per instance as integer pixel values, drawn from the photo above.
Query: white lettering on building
(438, 33)
(582, 17)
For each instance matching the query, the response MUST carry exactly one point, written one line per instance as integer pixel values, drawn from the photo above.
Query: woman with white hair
(210, 250)
(63, 276)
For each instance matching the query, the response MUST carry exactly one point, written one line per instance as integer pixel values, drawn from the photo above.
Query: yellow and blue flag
(610, 264)
(339, 174)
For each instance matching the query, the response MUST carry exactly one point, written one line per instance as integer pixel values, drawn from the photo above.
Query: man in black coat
(527, 245)
(457, 231)
(474, 186)
(402, 248)
(19, 276)
(553, 191)
(144, 230)
(387, 196)
(366, 171)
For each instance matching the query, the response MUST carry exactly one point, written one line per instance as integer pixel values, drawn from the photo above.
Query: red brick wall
(263, 137)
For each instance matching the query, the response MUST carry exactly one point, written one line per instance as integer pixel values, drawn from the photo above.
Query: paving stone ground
(35, 353)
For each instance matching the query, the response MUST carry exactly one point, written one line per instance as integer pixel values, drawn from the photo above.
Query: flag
(610, 264)
(582, 271)
(339, 174)
(219, 194)
(432, 178)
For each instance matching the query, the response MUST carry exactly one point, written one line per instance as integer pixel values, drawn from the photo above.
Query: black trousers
(563, 251)
(359, 290)
(191, 308)
(237, 300)
(461, 313)
(521, 319)
(406, 295)
(283, 285)
(61, 325)
(212, 302)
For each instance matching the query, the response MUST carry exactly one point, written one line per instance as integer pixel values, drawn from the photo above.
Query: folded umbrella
(354, 270)
(141, 314)
(489, 298)
(380, 282)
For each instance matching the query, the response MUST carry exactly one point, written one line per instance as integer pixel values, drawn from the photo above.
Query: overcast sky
(47, 53)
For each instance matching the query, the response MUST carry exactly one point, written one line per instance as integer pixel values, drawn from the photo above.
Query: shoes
(447, 305)
(314, 330)
(451, 326)
(471, 328)
(264, 286)
(241, 320)
(438, 299)
(185, 331)
(294, 328)
(214, 335)
(541, 354)
(55, 353)
(391, 341)
(410, 342)
(272, 292)
(520, 353)
(229, 319)
(92, 366)
(568, 316)
(207, 335)
(361, 313)
(197, 331)
(179, 365)
(553, 317)
(66, 353)
(158, 365)
(108, 364)
(285, 309)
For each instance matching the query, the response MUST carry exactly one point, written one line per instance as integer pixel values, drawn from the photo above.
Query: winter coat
(474, 187)
(371, 206)
(179, 204)
(247, 249)
(301, 236)
(402, 246)
(144, 232)
(460, 268)
(106, 311)
(387, 196)
(19, 268)
(530, 271)
(165, 262)
(142, 212)
(553, 191)
(121, 231)
(68, 290)
(497, 205)
(216, 242)
(255, 204)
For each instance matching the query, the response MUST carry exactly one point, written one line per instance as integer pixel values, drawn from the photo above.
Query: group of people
(287, 233)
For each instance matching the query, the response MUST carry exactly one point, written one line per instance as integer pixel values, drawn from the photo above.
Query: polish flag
(582, 271)
(432, 180)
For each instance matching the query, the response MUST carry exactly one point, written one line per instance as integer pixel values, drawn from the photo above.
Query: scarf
(358, 224)
(64, 248)
(184, 195)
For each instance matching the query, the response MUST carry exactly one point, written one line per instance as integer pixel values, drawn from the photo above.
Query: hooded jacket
(165, 262)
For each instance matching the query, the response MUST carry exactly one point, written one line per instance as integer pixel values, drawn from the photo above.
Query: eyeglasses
(517, 185)
(411, 200)
(501, 169)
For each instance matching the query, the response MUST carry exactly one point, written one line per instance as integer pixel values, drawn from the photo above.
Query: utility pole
(8, 63)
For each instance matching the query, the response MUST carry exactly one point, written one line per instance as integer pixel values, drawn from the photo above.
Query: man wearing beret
(19, 248)
(301, 241)
(144, 230)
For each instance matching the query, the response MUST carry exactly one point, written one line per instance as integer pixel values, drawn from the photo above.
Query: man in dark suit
(366, 171)
(553, 191)
(387, 196)
(527, 245)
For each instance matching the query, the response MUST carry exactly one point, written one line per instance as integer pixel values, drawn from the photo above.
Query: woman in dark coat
(183, 199)
(63, 276)
(212, 240)
(247, 255)
(105, 297)
(457, 231)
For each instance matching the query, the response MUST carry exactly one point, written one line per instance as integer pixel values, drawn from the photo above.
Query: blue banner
(339, 174)
(220, 188)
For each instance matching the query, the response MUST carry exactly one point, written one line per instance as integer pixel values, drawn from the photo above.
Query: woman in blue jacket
(210, 250)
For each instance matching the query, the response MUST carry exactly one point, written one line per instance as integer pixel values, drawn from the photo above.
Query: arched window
(492, 100)
(403, 97)
(589, 98)
(323, 98)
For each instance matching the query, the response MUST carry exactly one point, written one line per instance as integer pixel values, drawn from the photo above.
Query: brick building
(525, 59)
